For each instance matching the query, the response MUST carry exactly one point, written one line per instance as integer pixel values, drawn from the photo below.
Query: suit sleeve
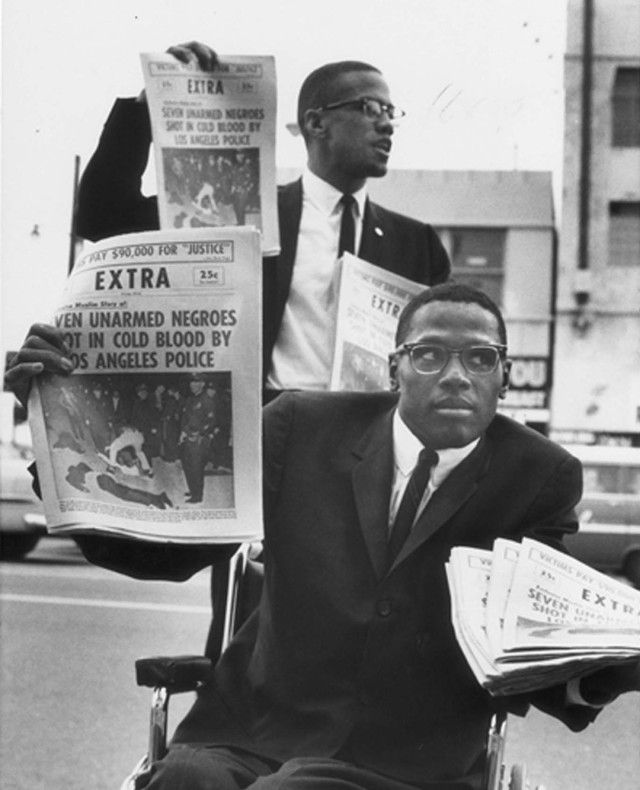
(276, 423)
(552, 513)
(110, 200)
(550, 517)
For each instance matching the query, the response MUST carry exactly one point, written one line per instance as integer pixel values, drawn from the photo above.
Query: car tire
(632, 568)
(15, 545)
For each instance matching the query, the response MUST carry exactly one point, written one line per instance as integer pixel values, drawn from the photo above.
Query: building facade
(596, 394)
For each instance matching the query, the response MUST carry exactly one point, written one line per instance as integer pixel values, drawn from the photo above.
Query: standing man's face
(353, 144)
(453, 407)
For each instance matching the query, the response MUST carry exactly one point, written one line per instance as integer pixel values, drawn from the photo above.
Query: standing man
(196, 428)
(347, 120)
(146, 419)
(97, 416)
(348, 674)
(241, 186)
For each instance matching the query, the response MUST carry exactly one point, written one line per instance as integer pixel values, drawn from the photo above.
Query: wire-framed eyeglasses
(371, 108)
(430, 358)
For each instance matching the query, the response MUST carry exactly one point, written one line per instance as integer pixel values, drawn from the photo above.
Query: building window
(624, 233)
(477, 259)
(626, 109)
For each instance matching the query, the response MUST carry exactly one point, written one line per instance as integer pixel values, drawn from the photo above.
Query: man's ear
(313, 123)
(394, 386)
(506, 370)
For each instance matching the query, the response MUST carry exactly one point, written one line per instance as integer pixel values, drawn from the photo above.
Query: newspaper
(557, 603)
(214, 142)
(528, 616)
(156, 433)
(370, 301)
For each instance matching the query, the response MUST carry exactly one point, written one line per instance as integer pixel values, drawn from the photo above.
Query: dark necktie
(411, 498)
(347, 241)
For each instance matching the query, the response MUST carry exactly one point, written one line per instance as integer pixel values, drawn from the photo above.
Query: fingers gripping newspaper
(527, 616)
(214, 142)
(156, 433)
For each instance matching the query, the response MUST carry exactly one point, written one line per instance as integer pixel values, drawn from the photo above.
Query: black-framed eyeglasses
(430, 358)
(372, 108)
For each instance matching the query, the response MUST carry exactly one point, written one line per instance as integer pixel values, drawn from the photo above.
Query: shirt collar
(407, 447)
(325, 197)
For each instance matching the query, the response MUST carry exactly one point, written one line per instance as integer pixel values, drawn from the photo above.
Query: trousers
(196, 767)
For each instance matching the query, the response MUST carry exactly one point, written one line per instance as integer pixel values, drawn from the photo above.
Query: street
(72, 716)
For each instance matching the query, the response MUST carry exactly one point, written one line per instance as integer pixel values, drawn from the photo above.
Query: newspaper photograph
(156, 433)
(214, 136)
(369, 303)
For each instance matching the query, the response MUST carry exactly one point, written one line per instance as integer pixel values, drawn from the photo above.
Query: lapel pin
(378, 231)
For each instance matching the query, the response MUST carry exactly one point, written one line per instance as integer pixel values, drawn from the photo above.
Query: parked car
(609, 513)
(22, 521)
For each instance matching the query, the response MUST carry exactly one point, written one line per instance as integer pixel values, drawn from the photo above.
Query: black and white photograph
(154, 440)
(212, 187)
(272, 526)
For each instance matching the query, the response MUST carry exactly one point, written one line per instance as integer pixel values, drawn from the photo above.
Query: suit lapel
(374, 235)
(459, 486)
(289, 213)
(372, 476)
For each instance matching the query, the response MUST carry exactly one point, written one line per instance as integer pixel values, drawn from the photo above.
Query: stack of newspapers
(527, 616)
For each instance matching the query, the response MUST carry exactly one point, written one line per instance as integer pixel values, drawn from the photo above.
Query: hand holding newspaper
(527, 616)
(156, 433)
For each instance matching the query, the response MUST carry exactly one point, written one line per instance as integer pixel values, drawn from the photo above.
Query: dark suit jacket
(110, 202)
(345, 650)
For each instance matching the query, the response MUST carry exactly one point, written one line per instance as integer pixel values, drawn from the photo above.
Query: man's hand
(185, 53)
(43, 350)
(606, 684)
(204, 55)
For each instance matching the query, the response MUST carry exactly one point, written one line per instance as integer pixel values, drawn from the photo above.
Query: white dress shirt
(303, 351)
(406, 449)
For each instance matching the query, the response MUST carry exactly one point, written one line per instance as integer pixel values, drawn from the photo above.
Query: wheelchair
(236, 586)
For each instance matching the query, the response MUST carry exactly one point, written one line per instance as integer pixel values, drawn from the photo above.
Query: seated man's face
(452, 407)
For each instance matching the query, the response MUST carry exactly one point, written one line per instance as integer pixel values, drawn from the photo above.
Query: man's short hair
(448, 292)
(318, 88)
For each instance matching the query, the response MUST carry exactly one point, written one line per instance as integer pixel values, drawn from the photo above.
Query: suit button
(384, 607)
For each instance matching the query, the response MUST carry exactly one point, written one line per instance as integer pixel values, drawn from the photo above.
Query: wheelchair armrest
(175, 673)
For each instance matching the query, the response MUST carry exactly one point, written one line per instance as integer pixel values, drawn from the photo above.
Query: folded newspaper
(370, 300)
(156, 433)
(214, 135)
(527, 616)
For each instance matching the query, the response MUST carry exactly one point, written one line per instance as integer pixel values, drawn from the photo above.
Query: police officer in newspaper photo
(196, 429)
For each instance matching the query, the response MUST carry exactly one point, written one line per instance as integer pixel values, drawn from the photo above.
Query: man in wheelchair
(347, 674)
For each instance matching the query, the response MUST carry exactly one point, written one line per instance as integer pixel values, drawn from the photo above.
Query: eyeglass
(372, 108)
(428, 359)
